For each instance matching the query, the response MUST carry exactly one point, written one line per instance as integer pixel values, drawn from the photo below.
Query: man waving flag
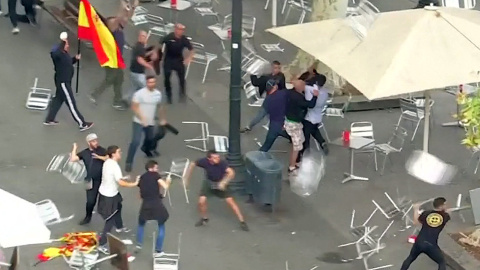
(92, 28)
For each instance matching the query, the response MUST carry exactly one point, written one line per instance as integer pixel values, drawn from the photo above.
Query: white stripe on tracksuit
(70, 105)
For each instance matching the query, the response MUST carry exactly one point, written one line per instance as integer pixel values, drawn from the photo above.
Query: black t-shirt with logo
(93, 165)
(433, 223)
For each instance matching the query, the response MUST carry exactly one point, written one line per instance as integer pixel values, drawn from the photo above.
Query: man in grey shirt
(145, 104)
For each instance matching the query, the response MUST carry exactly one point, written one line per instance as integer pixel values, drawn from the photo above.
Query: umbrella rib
(461, 33)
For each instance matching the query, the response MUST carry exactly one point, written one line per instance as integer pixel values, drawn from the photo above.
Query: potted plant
(469, 117)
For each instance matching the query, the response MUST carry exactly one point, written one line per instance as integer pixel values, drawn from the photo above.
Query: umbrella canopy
(404, 51)
(20, 222)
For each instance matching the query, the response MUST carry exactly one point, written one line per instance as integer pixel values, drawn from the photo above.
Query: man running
(433, 222)
(63, 64)
(218, 175)
(93, 157)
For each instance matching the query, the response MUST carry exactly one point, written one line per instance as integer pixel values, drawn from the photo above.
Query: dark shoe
(250, 199)
(128, 167)
(155, 153)
(86, 126)
(147, 153)
(244, 226)
(245, 129)
(50, 123)
(325, 148)
(182, 99)
(201, 222)
(169, 100)
(85, 221)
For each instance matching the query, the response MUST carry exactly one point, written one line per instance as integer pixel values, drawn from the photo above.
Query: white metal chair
(219, 142)
(139, 16)
(81, 260)
(338, 112)
(201, 57)
(49, 213)
(467, 4)
(364, 130)
(272, 47)
(304, 6)
(38, 98)
(362, 17)
(158, 26)
(400, 208)
(225, 24)
(166, 261)
(412, 113)
(251, 92)
(393, 145)
(75, 172)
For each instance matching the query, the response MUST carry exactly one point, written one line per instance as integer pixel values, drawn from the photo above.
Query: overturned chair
(220, 143)
(49, 213)
(396, 210)
(38, 98)
(74, 172)
(166, 261)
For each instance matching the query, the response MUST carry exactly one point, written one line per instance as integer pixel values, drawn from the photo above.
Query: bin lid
(270, 165)
(255, 156)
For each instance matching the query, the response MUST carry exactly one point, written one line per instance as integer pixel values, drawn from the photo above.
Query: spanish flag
(91, 27)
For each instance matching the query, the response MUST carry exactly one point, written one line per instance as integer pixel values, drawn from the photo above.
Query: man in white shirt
(110, 200)
(145, 104)
(314, 118)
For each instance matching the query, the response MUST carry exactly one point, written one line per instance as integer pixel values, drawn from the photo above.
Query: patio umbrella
(20, 222)
(403, 52)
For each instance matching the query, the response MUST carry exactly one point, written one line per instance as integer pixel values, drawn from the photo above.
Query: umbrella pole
(274, 13)
(426, 123)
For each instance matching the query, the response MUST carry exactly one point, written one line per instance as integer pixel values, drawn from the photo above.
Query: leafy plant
(469, 117)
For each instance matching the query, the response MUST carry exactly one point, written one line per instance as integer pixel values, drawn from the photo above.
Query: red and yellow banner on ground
(83, 241)
(92, 28)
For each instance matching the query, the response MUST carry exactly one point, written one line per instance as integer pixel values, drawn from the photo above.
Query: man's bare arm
(229, 175)
(73, 154)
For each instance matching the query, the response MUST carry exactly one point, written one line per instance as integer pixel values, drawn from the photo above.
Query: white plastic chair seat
(217, 26)
(386, 148)
(205, 11)
(334, 112)
(298, 4)
(81, 260)
(257, 103)
(165, 261)
(49, 214)
(205, 57)
(139, 19)
(272, 47)
(38, 100)
(220, 143)
(420, 115)
(58, 163)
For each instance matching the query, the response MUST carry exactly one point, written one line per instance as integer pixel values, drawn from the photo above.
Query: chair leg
(375, 159)
(383, 164)
(186, 72)
(284, 6)
(302, 17)
(286, 15)
(266, 4)
(476, 167)
(206, 71)
(326, 133)
(415, 131)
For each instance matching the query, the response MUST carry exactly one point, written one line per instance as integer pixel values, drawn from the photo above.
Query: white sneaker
(123, 230)
(15, 30)
(103, 249)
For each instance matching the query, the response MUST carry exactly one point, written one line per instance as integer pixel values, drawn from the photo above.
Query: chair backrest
(220, 143)
(140, 11)
(347, 103)
(398, 138)
(58, 162)
(75, 172)
(363, 18)
(155, 21)
(200, 56)
(179, 166)
(48, 211)
(362, 129)
(250, 90)
(248, 24)
(227, 21)
(408, 105)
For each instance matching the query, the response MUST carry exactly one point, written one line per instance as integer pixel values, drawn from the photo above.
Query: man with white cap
(93, 157)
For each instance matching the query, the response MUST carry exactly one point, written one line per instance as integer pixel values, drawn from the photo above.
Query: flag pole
(78, 67)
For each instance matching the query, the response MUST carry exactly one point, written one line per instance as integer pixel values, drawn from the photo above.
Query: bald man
(174, 45)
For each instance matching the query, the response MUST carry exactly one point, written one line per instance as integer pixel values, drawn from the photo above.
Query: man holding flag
(109, 54)
(114, 76)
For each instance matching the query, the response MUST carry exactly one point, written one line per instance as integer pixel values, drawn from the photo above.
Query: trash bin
(265, 177)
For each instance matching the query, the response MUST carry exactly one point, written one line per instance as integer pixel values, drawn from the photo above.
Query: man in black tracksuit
(63, 64)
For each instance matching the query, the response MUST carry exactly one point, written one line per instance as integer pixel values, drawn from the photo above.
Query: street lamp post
(234, 156)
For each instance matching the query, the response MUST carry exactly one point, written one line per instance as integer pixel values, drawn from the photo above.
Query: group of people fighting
(294, 114)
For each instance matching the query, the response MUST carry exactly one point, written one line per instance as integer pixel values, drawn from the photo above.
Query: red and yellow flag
(91, 27)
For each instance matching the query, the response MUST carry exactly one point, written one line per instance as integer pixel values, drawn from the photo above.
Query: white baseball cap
(63, 36)
(91, 137)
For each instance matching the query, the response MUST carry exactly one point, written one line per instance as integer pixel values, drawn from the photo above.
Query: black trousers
(431, 250)
(310, 129)
(92, 196)
(30, 12)
(63, 94)
(179, 68)
(114, 221)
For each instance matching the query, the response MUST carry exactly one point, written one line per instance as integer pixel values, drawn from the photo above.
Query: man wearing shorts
(218, 175)
(297, 108)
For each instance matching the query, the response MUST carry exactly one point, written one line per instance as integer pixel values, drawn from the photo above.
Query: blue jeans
(260, 115)
(139, 81)
(274, 130)
(160, 236)
(148, 142)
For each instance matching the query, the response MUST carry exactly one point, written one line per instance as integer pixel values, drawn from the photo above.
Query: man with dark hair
(110, 199)
(152, 185)
(424, 3)
(275, 105)
(174, 45)
(63, 64)
(433, 222)
(261, 83)
(311, 76)
(145, 104)
(93, 157)
(218, 175)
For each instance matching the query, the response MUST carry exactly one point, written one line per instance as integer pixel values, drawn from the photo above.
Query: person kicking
(218, 175)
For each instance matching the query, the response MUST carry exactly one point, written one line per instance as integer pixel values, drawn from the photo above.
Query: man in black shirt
(173, 46)
(296, 110)
(138, 65)
(433, 222)
(93, 157)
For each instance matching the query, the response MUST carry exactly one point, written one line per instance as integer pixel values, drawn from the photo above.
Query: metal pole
(274, 13)
(426, 123)
(78, 68)
(234, 155)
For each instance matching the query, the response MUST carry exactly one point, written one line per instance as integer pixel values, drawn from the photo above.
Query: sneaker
(85, 221)
(244, 226)
(128, 167)
(92, 99)
(245, 129)
(50, 123)
(155, 153)
(6, 15)
(138, 248)
(123, 230)
(201, 222)
(86, 126)
(15, 30)
(325, 148)
(103, 249)
(292, 171)
(158, 253)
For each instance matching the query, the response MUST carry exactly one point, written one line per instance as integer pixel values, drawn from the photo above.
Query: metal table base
(351, 176)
